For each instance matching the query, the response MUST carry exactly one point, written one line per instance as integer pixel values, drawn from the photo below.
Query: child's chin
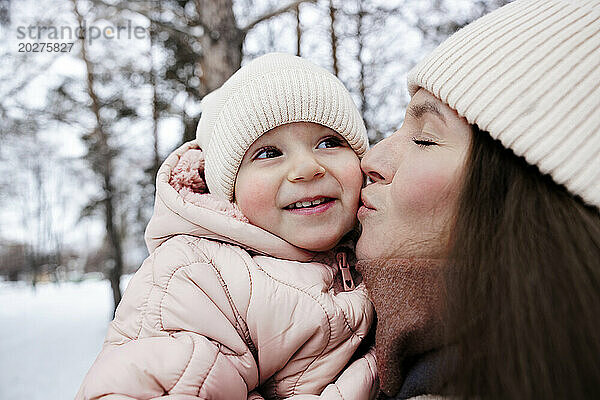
(319, 245)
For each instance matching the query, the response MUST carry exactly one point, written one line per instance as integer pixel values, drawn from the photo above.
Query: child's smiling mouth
(315, 205)
(308, 203)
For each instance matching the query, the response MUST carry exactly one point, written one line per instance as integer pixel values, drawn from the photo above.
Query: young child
(244, 288)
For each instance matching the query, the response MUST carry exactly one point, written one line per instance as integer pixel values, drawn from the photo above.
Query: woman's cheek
(424, 189)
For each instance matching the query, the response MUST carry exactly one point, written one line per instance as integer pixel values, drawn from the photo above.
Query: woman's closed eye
(267, 152)
(330, 142)
(424, 142)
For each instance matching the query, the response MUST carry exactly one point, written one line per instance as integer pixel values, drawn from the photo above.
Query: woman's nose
(379, 163)
(305, 169)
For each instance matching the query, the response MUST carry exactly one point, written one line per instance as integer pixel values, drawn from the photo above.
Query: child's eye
(424, 142)
(267, 152)
(329, 143)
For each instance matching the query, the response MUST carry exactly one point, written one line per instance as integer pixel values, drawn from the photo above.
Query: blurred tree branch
(136, 7)
(290, 7)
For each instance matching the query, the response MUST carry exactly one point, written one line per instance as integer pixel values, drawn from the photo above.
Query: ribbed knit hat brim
(271, 91)
(529, 74)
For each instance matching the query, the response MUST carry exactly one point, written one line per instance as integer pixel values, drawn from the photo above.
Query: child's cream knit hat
(529, 74)
(270, 91)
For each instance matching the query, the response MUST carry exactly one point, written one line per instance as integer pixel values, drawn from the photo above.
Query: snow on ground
(50, 335)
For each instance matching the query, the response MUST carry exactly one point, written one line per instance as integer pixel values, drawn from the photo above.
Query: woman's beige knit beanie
(272, 90)
(529, 74)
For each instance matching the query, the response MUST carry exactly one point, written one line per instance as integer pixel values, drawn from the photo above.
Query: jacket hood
(183, 205)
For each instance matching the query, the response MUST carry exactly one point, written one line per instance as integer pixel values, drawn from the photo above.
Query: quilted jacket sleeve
(177, 334)
(359, 381)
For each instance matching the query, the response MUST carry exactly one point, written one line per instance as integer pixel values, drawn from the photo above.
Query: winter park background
(85, 123)
(50, 336)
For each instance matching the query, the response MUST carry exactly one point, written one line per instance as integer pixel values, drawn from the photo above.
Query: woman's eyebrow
(418, 110)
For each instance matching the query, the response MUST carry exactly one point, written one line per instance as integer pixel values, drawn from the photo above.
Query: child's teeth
(301, 204)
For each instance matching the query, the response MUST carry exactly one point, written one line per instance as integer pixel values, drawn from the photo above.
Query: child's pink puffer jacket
(218, 309)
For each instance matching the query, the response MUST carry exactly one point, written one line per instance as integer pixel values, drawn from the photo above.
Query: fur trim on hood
(187, 178)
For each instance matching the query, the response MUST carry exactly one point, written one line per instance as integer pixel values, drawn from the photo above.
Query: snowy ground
(50, 336)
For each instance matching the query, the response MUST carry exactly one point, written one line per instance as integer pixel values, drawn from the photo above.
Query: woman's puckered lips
(365, 200)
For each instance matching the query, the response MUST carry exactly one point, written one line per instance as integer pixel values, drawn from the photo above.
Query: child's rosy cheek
(253, 197)
(352, 175)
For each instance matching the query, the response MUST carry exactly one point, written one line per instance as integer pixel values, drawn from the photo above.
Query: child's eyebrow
(418, 110)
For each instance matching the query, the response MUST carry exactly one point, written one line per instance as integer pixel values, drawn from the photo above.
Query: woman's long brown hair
(524, 283)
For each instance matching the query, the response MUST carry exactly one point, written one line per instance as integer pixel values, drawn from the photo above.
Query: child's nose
(306, 170)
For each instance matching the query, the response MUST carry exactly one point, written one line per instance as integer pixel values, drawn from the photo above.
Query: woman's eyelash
(423, 142)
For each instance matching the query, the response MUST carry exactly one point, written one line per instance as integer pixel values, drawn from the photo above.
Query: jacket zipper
(347, 280)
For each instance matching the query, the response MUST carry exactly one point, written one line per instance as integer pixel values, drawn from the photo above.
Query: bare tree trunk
(221, 48)
(334, 39)
(155, 117)
(221, 43)
(361, 80)
(38, 245)
(155, 111)
(4, 12)
(115, 241)
(103, 160)
(58, 231)
(298, 31)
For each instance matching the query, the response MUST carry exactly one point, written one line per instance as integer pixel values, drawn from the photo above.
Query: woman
(481, 226)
